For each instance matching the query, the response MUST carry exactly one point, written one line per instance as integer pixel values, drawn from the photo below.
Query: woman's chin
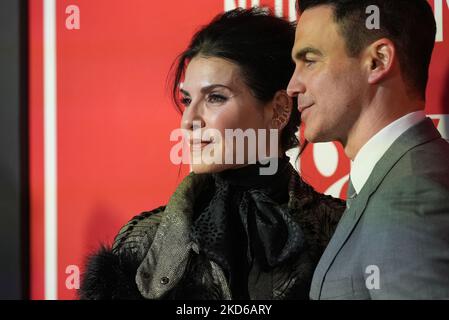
(212, 168)
(207, 168)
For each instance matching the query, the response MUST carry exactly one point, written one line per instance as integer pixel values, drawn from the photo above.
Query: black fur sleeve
(110, 273)
(110, 276)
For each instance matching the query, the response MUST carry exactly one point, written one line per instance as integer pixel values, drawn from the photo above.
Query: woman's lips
(200, 144)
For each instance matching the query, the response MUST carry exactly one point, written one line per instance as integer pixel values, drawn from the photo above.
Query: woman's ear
(282, 108)
(379, 60)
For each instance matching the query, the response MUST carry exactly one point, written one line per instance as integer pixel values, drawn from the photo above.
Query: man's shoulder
(435, 149)
(427, 161)
(417, 185)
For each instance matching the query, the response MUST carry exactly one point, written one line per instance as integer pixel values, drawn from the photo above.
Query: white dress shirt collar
(375, 148)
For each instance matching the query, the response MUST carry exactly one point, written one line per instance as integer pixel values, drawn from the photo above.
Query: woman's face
(216, 98)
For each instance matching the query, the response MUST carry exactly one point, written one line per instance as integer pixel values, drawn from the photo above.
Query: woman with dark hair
(228, 231)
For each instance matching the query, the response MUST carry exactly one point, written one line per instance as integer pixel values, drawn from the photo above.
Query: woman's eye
(186, 101)
(216, 98)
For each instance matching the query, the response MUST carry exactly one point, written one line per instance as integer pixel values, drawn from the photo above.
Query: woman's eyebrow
(185, 92)
(214, 86)
(206, 89)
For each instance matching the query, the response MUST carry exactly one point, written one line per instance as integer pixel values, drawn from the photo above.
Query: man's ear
(282, 108)
(380, 58)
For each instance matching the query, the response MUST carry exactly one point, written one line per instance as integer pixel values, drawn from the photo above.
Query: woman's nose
(192, 118)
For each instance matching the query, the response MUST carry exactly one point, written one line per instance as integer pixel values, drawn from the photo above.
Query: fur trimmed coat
(152, 256)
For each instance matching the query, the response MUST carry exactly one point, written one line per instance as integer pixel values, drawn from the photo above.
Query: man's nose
(296, 85)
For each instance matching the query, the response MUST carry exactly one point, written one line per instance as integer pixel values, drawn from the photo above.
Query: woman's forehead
(205, 72)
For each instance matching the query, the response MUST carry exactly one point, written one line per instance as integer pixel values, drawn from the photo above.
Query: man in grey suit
(360, 78)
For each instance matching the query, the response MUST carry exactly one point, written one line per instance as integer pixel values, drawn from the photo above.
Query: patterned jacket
(153, 257)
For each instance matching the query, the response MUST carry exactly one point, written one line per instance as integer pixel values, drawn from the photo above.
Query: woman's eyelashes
(211, 98)
(186, 101)
(216, 98)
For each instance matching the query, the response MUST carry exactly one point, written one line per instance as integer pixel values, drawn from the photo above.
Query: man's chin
(312, 137)
(316, 136)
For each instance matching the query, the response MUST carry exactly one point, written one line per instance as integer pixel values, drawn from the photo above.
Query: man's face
(327, 82)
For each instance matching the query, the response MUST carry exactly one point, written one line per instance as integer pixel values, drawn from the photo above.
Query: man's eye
(186, 101)
(216, 98)
(308, 62)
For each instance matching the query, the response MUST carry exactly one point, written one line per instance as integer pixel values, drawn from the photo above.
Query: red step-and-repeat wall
(101, 118)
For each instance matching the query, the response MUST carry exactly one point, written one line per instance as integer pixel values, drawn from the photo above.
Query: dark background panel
(13, 151)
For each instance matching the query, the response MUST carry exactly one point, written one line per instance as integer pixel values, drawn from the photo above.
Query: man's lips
(302, 108)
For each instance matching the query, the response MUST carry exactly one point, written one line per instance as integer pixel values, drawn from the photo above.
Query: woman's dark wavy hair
(260, 44)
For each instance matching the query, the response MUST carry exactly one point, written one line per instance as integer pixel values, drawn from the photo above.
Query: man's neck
(372, 121)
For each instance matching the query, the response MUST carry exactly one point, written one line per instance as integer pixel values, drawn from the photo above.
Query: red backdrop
(114, 117)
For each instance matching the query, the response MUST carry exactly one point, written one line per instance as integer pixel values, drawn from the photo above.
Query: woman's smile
(198, 144)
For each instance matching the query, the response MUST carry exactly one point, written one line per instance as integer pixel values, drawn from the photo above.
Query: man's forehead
(316, 27)
(315, 20)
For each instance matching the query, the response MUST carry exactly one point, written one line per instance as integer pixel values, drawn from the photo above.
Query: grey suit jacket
(393, 241)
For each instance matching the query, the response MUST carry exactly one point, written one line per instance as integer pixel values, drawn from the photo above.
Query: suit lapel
(419, 134)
